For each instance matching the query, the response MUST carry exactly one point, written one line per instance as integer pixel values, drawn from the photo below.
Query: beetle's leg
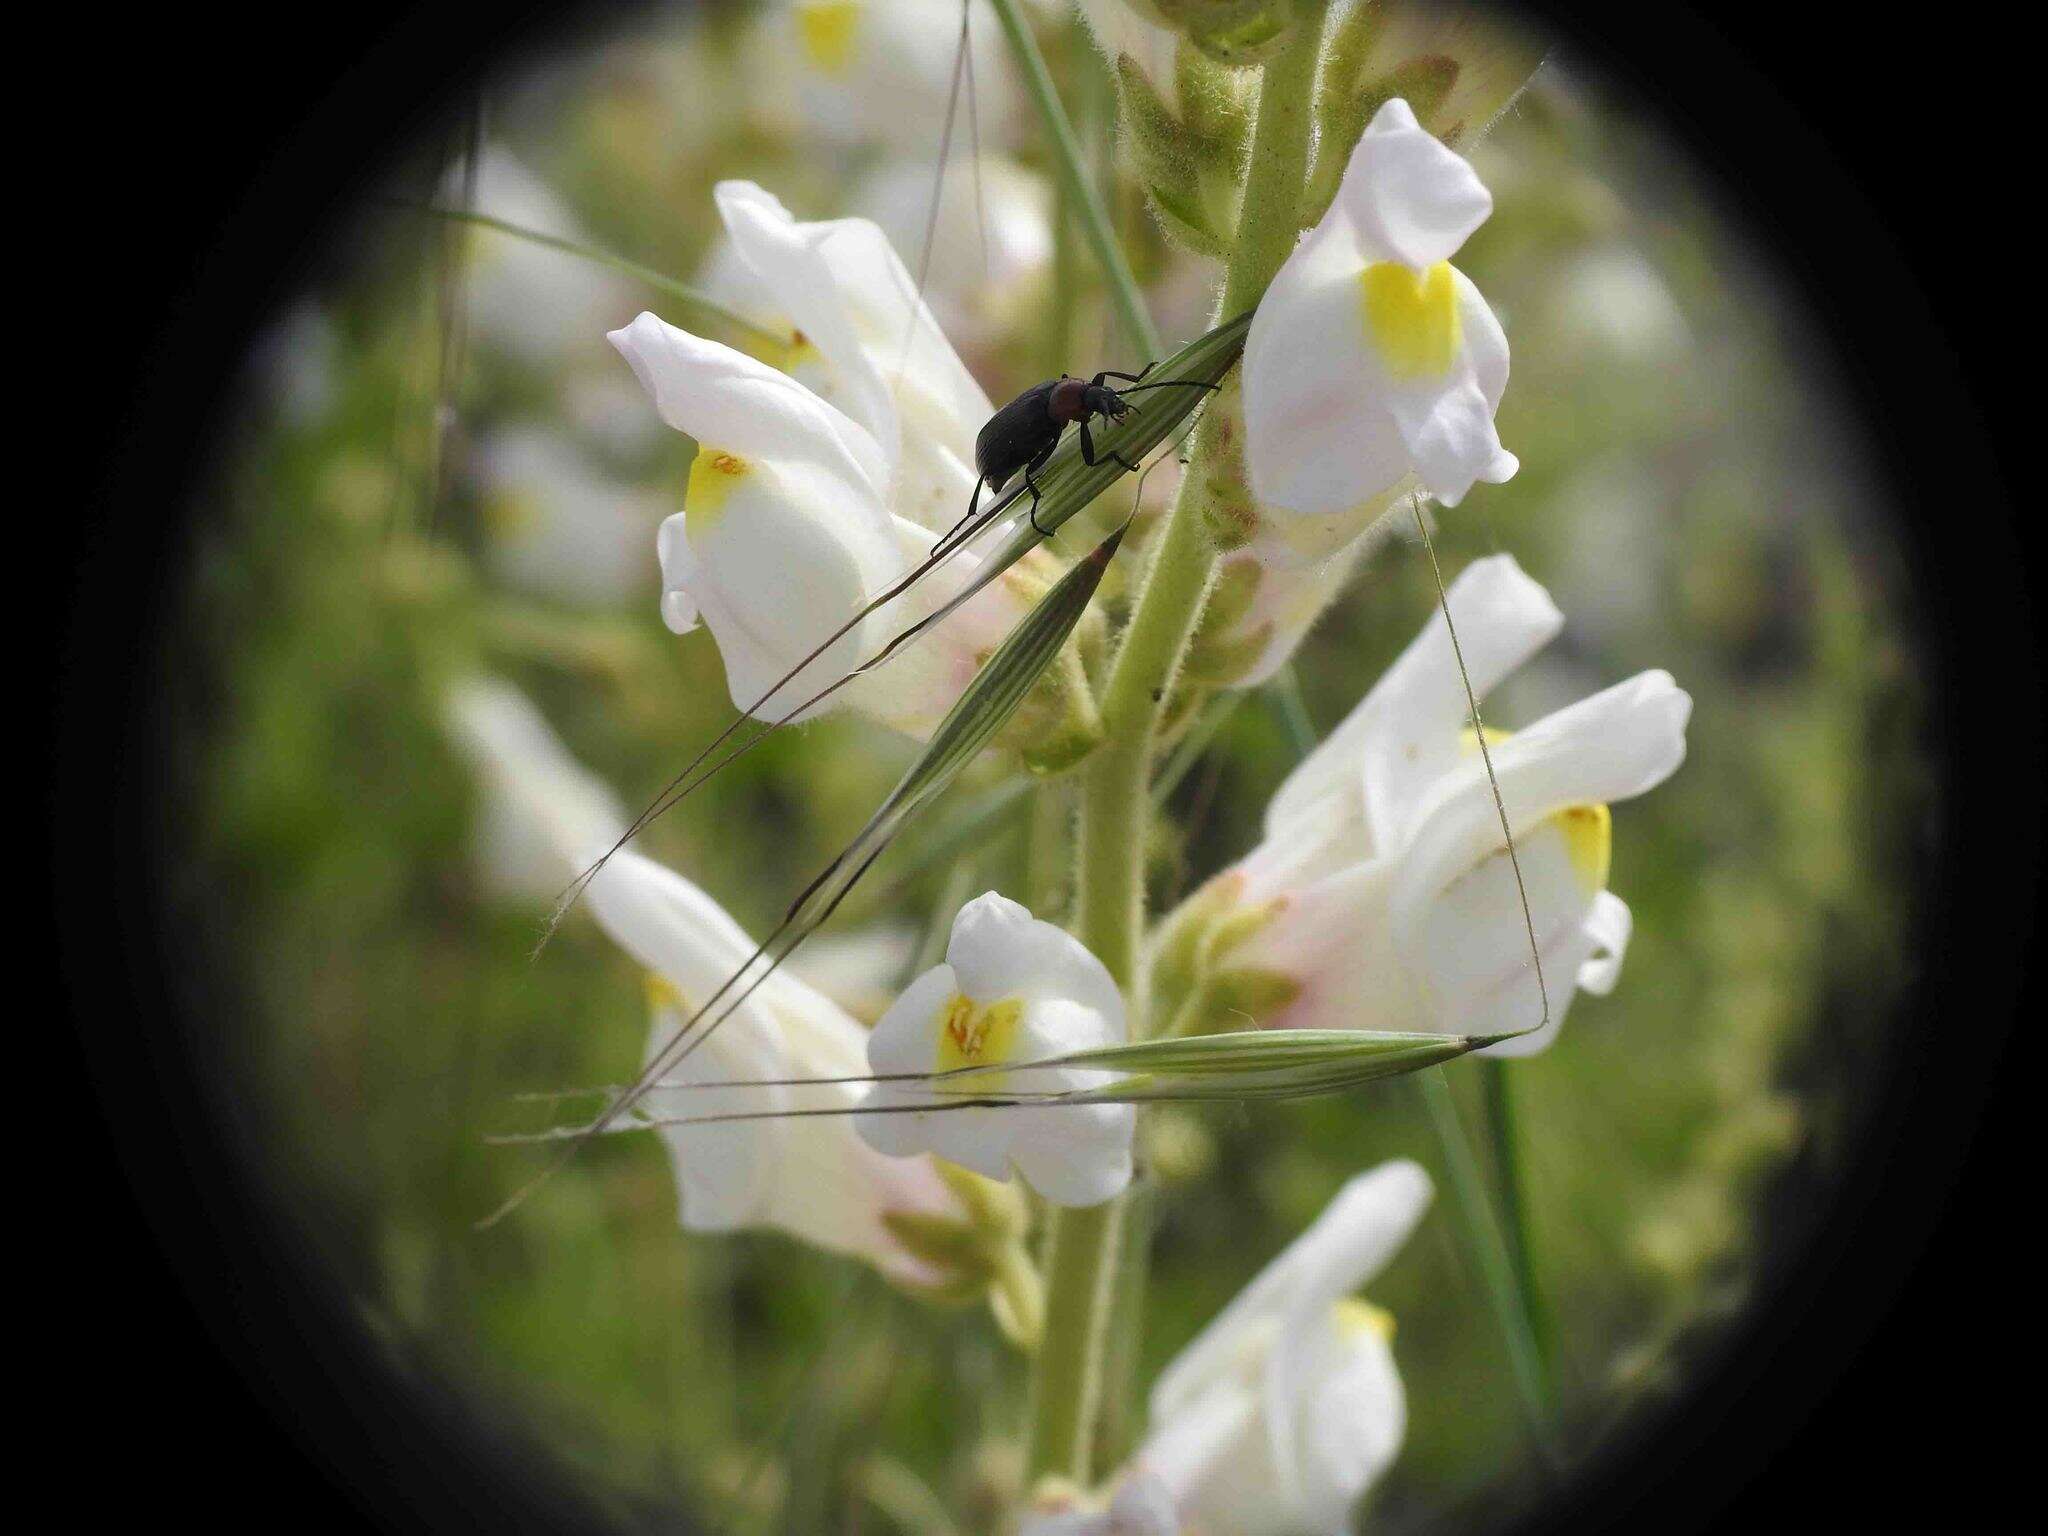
(945, 545)
(1112, 373)
(1031, 470)
(1088, 452)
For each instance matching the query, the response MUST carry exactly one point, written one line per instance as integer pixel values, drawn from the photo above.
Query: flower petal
(1472, 943)
(1447, 428)
(544, 816)
(728, 400)
(1319, 441)
(1413, 200)
(1333, 940)
(666, 923)
(850, 295)
(1405, 732)
(774, 576)
(1611, 746)
(1608, 925)
(1351, 1426)
(1076, 1154)
(1357, 1233)
(999, 950)
(1353, 1240)
(1486, 344)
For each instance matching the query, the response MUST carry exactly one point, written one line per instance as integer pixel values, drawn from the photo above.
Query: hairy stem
(1115, 808)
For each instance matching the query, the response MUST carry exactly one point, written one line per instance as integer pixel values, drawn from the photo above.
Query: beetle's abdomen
(1014, 436)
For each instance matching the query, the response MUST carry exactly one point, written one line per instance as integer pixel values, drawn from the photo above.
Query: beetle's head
(1103, 401)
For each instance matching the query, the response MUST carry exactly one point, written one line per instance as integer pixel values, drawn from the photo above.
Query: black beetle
(1024, 433)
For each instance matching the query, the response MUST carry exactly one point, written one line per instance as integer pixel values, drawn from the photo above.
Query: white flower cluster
(1385, 894)
(817, 484)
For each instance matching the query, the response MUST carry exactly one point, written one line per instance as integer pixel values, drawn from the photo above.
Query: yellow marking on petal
(1356, 1319)
(1411, 318)
(971, 1035)
(1588, 829)
(713, 474)
(1589, 840)
(662, 994)
(827, 28)
(785, 356)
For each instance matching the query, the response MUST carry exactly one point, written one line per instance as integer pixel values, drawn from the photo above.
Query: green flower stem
(1122, 1410)
(1114, 803)
(1047, 850)
(1066, 1384)
(1073, 174)
(1115, 808)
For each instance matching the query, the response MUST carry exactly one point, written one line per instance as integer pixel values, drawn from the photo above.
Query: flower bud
(1238, 33)
(1186, 126)
(1459, 70)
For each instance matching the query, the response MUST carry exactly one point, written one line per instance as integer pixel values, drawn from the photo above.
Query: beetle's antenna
(1132, 389)
(1485, 756)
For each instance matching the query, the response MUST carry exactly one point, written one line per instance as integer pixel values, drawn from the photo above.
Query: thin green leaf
(1248, 1064)
(1480, 1236)
(698, 308)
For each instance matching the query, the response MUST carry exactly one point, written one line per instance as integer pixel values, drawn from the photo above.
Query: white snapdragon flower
(859, 72)
(811, 1176)
(880, 355)
(1384, 894)
(784, 534)
(1371, 359)
(542, 815)
(1287, 1407)
(1012, 989)
(815, 489)
(545, 818)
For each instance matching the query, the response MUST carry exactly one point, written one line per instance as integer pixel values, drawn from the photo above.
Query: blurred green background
(444, 469)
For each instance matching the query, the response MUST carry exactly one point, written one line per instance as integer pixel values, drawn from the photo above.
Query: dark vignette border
(238, 1379)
